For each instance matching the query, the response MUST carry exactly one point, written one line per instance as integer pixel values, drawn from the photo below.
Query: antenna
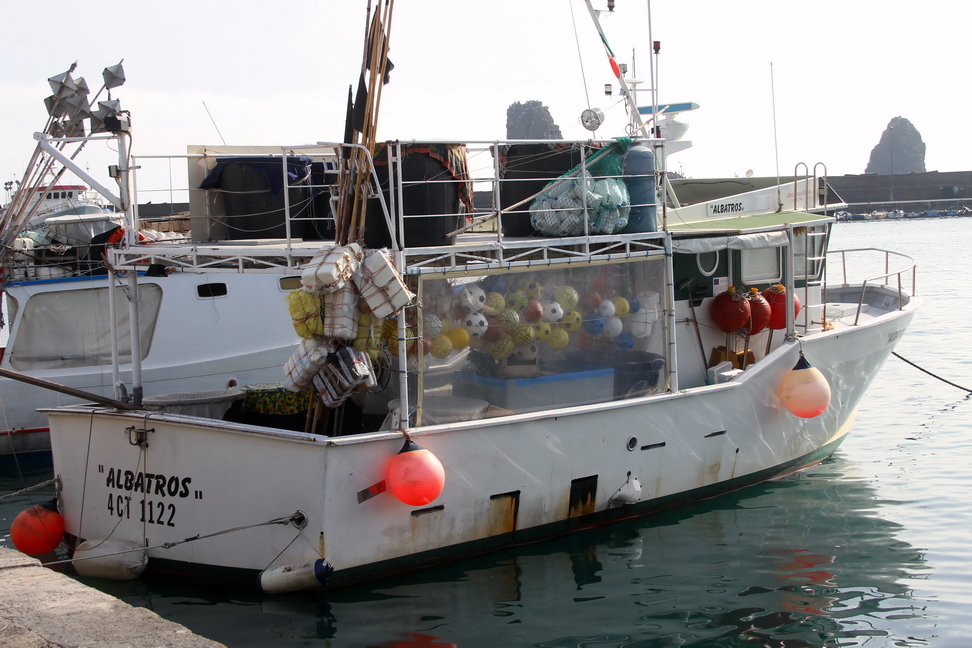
(776, 146)
(214, 122)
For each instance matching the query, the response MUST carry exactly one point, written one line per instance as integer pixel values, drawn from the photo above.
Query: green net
(593, 189)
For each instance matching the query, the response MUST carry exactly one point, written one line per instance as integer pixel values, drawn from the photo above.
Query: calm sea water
(870, 548)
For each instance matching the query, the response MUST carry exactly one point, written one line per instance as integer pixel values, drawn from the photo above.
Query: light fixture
(114, 75)
(608, 90)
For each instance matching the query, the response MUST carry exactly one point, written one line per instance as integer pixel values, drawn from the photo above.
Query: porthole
(711, 259)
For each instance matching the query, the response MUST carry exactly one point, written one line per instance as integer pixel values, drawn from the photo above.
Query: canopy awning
(739, 232)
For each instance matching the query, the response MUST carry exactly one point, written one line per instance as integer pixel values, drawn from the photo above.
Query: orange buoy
(760, 312)
(730, 310)
(37, 530)
(776, 296)
(805, 391)
(415, 476)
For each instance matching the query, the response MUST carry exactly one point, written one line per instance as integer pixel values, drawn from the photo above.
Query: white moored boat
(561, 381)
(194, 327)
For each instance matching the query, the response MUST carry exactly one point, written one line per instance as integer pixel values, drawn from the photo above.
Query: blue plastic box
(560, 385)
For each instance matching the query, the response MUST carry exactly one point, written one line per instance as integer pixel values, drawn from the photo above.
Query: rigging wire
(580, 59)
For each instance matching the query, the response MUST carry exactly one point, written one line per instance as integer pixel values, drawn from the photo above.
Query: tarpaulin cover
(298, 167)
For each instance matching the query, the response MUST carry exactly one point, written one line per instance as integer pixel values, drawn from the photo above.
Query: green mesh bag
(594, 188)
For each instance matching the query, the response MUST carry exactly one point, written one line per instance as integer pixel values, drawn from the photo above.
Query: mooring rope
(28, 489)
(289, 519)
(947, 382)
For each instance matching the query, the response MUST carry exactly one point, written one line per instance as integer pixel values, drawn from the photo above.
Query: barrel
(526, 169)
(253, 197)
(638, 171)
(430, 203)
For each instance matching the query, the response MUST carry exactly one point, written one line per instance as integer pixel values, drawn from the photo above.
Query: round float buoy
(805, 391)
(776, 296)
(730, 310)
(415, 476)
(760, 312)
(37, 530)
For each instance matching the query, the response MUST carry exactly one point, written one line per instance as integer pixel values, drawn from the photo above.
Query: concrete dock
(40, 608)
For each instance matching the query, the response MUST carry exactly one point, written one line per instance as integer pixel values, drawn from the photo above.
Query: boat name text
(727, 208)
(148, 483)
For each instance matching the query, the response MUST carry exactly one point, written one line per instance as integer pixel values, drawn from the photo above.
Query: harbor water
(869, 548)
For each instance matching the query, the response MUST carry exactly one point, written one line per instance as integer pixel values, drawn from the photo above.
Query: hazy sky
(278, 73)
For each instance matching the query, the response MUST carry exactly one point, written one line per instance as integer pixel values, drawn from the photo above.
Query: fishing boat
(584, 350)
(61, 300)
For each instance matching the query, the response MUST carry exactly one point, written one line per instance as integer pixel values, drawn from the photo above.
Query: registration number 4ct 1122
(146, 510)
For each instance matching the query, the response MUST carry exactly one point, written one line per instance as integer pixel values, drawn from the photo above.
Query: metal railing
(884, 278)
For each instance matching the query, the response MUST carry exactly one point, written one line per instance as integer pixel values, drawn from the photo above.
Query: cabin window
(70, 328)
(761, 265)
(808, 246)
(531, 339)
(211, 290)
(12, 307)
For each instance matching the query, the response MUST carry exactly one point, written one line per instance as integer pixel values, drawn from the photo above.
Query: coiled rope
(947, 382)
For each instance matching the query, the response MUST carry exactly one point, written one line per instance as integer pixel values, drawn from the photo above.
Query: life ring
(116, 236)
(119, 234)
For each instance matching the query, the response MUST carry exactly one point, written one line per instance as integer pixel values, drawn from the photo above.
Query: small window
(211, 290)
(761, 265)
(289, 283)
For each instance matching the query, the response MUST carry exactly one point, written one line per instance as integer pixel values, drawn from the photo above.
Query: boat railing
(896, 278)
(441, 203)
(818, 186)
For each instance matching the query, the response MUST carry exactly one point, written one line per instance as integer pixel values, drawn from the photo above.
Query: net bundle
(594, 187)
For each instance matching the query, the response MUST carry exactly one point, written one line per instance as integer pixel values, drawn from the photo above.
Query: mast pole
(639, 125)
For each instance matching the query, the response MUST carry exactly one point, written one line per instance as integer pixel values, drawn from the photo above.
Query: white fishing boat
(58, 291)
(618, 360)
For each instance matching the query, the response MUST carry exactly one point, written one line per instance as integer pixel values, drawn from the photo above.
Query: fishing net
(594, 188)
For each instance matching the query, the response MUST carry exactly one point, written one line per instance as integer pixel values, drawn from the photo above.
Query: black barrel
(430, 198)
(527, 168)
(253, 196)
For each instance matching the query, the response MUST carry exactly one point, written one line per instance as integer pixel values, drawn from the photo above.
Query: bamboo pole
(64, 389)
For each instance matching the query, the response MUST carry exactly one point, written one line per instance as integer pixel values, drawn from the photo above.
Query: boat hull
(508, 480)
(197, 344)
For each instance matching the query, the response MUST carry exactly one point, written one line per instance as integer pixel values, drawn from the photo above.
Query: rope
(168, 545)
(947, 382)
(28, 489)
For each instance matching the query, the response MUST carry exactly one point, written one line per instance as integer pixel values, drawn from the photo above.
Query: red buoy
(37, 530)
(730, 310)
(760, 312)
(415, 476)
(805, 391)
(776, 296)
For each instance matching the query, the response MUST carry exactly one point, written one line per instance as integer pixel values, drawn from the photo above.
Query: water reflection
(811, 560)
